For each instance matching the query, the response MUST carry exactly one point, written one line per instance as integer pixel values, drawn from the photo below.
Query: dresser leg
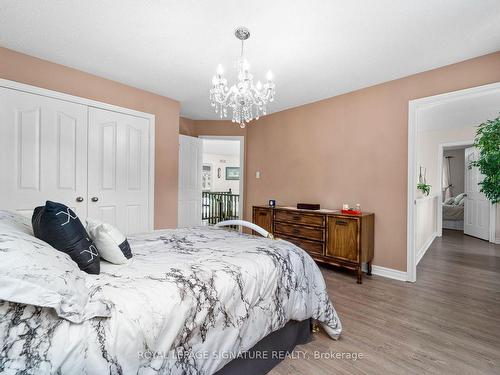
(360, 275)
(369, 273)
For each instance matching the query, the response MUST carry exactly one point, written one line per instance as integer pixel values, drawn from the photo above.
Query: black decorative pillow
(59, 226)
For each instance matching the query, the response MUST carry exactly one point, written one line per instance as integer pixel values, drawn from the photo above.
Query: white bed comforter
(185, 301)
(453, 212)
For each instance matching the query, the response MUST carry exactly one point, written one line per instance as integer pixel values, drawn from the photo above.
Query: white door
(190, 170)
(118, 182)
(43, 147)
(477, 206)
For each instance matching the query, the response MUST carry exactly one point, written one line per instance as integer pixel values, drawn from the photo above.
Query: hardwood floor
(448, 322)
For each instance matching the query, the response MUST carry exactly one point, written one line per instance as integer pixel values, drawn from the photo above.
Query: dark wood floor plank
(448, 322)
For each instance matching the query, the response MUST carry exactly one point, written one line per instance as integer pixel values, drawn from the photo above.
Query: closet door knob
(94, 199)
(79, 199)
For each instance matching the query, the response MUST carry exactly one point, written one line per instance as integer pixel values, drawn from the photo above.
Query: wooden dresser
(327, 235)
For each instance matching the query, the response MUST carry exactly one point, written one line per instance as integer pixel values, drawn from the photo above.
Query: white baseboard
(390, 273)
(421, 252)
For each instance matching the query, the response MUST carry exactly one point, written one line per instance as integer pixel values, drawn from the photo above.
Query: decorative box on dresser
(327, 235)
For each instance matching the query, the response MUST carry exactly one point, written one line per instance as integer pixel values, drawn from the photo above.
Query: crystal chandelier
(246, 100)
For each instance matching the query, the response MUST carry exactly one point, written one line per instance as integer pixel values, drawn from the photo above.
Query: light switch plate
(257, 174)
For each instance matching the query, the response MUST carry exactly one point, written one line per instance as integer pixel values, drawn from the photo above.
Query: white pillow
(449, 200)
(111, 243)
(458, 199)
(34, 273)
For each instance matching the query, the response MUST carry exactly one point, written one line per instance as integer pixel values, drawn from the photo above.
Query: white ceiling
(316, 48)
(463, 112)
(221, 147)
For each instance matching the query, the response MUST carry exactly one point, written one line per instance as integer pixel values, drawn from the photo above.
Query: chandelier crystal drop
(246, 100)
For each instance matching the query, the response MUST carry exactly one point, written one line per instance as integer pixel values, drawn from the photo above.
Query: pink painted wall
(350, 148)
(186, 126)
(29, 70)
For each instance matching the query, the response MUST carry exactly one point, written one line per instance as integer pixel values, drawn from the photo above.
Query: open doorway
(453, 196)
(438, 124)
(222, 179)
(463, 207)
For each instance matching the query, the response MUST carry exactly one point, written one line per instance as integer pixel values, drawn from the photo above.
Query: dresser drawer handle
(296, 218)
(339, 222)
(296, 231)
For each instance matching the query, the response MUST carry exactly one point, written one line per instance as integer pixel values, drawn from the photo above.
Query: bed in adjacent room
(453, 212)
(186, 303)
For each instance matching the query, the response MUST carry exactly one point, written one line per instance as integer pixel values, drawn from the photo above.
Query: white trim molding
(415, 107)
(493, 223)
(389, 273)
(71, 98)
(421, 252)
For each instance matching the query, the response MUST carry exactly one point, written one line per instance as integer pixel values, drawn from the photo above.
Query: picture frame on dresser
(328, 236)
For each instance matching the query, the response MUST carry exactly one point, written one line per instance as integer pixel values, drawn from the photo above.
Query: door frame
(109, 107)
(415, 107)
(242, 164)
(441, 148)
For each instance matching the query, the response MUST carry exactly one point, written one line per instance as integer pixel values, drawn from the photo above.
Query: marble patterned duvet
(186, 302)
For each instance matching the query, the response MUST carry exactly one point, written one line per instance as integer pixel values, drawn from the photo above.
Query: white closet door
(190, 170)
(43, 146)
(476, 205)
(118, 184)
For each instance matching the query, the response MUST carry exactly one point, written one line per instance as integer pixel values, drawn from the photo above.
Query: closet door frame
(110, 107)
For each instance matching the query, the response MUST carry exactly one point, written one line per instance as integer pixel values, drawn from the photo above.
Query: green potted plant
(487, 141)
(422, 183)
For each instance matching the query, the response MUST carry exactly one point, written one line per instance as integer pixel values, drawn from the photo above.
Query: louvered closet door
(43, 148)
(118, 153)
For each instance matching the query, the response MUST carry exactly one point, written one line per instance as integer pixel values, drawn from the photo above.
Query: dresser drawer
(343, 238)
(263, 218)
(299, 218)
(312, 247)
(298, 231)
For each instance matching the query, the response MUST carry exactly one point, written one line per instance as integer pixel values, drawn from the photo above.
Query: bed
(453, 213)
(188, 302)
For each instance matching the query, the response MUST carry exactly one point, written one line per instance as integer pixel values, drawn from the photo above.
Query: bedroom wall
(217, 127)
(425, 223)
(222, 161)
(426, 208)
(186, 126)
(427, 146)
(30, 70)
(349, 148)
